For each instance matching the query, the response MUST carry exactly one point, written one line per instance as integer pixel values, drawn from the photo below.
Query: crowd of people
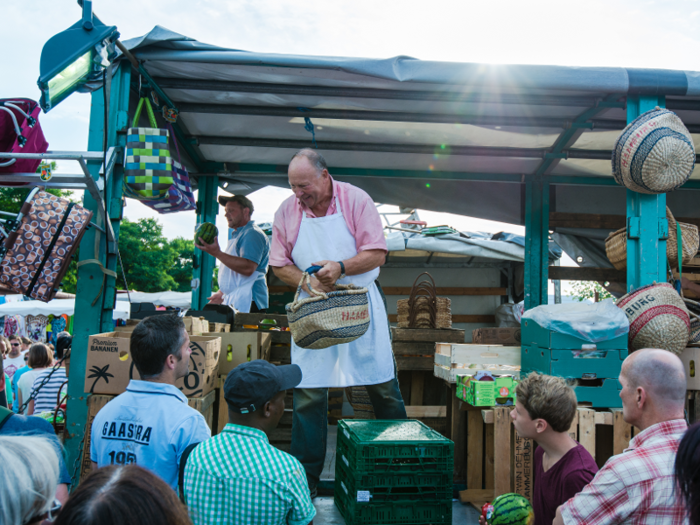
(148, 447)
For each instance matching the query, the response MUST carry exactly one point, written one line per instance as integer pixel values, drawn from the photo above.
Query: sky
(630, 33)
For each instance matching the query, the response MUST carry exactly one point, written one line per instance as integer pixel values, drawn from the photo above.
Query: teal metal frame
(207, 210)
(95, 297)
(536, 240)
(647, 226)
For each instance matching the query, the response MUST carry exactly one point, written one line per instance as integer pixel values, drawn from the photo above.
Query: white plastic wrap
(594, 322)
(509, 315)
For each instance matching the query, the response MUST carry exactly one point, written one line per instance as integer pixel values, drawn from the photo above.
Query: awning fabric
(406, 130)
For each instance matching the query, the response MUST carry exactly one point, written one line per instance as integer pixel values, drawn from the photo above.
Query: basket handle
(306, 278)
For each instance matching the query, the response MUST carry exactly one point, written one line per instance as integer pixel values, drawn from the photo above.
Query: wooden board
(427, 335)
(417, 384)
(692, 406)
(489, 453)
(501, 444)
(456, 427)
(456, 318)
(523, 466)
(475, 446)
(452, 290)
(574, 273)
(586, 429)
(95, 403)
(414, 363)
(418, 412)
(476, 496)
(413, 349)
(622, 432)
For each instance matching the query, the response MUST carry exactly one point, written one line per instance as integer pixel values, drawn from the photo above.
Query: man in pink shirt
(336, 226)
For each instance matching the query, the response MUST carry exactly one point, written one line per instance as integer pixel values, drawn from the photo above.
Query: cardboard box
(691, 363)
(496, 336)
(240, 347)
(109, 367)
(217, 327)
(486, 393)
(196, 325)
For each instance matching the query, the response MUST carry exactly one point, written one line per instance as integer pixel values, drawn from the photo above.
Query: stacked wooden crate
(500, 461)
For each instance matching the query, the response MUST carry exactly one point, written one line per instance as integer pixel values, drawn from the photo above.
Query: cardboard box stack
(109, 367)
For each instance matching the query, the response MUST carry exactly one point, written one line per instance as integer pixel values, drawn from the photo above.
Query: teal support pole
(647, 227)
(207, 210)
(94, 302)
(536, 241)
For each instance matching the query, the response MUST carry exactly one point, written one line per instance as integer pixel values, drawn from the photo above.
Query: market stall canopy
(451, 137)
(55, 307)
(173, 299)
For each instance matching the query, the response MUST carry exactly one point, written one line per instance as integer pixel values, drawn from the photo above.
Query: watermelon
(512, 509)
(207, 231)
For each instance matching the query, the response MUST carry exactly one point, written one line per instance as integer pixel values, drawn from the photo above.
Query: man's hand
(212, 249)
(329, 274)
(216, 298)
(318, 286)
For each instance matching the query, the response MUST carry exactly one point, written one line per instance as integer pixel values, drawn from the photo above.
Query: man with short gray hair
(637, 486)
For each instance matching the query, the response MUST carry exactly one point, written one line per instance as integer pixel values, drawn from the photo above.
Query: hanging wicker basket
(654, 153)
(328, 319)
(658, 318)
(616, 243)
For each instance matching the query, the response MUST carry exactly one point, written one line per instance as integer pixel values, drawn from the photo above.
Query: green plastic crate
(533, 334)
(408, 511)
(564, 363)
(391, 487)
(393, 446)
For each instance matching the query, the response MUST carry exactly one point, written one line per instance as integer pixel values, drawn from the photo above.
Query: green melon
(512, 509)
(207, 231)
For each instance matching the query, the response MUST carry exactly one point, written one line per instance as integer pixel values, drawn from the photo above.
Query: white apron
(365, 361)
(236, 287)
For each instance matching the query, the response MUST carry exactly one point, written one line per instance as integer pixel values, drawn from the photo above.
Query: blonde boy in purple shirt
(544, 410)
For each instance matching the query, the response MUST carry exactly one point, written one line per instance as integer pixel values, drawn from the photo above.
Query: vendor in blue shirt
(244, 263)
(151, 423)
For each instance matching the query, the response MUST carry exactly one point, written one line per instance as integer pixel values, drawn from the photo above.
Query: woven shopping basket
(424, 309)
(616, 243)
(658, 318)
(654, 153)
(327, 319)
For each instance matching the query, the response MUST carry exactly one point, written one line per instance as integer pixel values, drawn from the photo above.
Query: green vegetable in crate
(207, 231)
(511, 509)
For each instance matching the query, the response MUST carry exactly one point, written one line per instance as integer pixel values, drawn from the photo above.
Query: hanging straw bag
(423, 308)
(179, 196)
(658, 318)
(654, 153)
(20, 132)
(148, 170)
(327, 319)
(616, 243)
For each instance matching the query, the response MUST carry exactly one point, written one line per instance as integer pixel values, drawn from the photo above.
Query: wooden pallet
(490, 474)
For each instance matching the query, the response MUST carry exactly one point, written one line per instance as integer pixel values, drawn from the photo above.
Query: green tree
(584, 290)
(147, 256)
(181, 270)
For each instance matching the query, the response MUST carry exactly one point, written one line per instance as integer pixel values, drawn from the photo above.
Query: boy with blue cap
(237, 476)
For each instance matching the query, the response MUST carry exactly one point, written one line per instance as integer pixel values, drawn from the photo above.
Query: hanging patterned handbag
(179, 196)
(20, 132)
(148, 170)
(38, 244)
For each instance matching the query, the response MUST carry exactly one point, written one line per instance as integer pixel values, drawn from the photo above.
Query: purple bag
(20, 132)
(179, 196)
